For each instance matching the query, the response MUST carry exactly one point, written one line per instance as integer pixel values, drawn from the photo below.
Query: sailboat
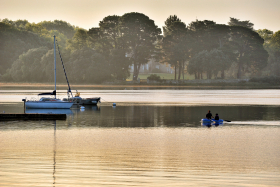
(49, 102)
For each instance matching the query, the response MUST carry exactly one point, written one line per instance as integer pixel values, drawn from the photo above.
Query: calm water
(151, 138)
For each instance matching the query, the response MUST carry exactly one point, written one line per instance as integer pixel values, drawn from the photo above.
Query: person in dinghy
(209, 115)
(217, 117)
(217, 120)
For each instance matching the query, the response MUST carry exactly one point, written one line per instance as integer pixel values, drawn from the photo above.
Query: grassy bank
(166, 76)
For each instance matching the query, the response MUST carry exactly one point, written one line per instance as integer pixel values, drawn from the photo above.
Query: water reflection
(170, 116)
(140, 157)
(177, 151)
(54, 153)
(48, 111)
(157, 116)
(204, 124)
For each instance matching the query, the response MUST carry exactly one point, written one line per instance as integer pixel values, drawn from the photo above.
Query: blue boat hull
(211, 121)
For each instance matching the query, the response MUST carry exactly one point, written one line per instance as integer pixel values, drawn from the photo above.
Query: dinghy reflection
(48, 111)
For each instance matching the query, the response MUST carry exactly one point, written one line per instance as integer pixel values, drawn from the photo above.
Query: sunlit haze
(264, 14)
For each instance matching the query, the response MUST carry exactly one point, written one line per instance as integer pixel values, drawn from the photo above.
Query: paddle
(227, 120)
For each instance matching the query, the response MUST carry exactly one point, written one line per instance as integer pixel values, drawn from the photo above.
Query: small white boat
(48, 102)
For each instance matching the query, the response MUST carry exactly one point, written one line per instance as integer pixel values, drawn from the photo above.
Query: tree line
(204, 49)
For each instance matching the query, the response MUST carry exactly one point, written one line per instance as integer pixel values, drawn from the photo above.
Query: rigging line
(104, 100)
(69, 89)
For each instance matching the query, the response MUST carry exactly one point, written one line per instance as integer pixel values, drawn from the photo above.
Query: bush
(269, 79)
(154, 77)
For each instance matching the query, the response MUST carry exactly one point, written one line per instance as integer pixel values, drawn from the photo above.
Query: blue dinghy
(205, 120)
(220, 121)
(208, 122)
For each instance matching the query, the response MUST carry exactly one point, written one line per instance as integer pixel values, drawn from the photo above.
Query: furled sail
(48, 93)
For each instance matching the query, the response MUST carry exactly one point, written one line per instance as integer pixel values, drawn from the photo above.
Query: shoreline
(210, 85)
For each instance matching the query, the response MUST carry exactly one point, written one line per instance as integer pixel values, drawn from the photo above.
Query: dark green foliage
(211, 63)
(167, 29)
(272, 46)
(269, 80)
(87, 66)
(105, 53)
(265, 34)
(237, 22)
(248, 45)
(109, 28)
(23, 59)
(78, 41)
(19, 24)
(154, 77)
(238, 42)
(139, 34)
(109, 41)
(28, 66)
(63, 27)
(176, 44)
(15, 42)
(203, 32)
(119, 64)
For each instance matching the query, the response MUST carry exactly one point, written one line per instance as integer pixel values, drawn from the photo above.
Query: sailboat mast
(54, 67)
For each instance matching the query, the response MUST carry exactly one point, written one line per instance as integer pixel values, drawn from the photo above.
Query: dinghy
(208, 122)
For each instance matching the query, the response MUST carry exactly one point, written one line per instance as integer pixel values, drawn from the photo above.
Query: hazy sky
(87, 13)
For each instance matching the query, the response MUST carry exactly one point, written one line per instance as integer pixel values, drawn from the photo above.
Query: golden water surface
(140, 157)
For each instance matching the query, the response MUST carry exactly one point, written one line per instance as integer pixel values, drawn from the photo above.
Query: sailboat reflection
(54, 153)
(48, 111)
(77, 110)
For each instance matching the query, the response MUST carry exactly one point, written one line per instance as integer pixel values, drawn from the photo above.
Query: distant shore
(116, 86)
